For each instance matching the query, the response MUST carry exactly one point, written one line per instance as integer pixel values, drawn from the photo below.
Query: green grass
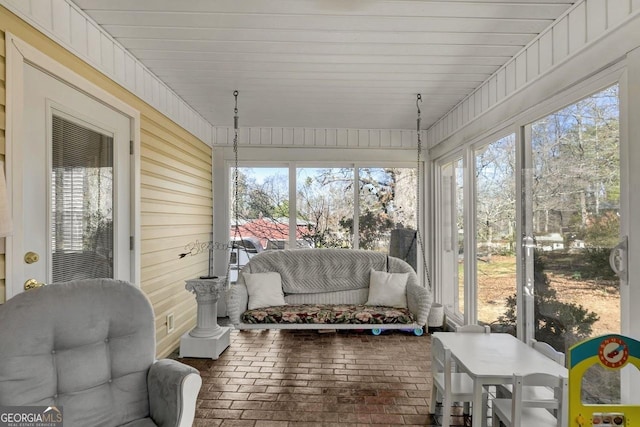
(498, 267)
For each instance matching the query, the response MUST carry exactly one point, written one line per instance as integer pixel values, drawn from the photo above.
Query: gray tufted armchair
(88, 346)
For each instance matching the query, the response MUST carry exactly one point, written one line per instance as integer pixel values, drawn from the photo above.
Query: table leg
(477, 418)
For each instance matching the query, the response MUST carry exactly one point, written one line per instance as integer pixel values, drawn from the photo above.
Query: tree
(557, 323)
(269, 198)
(387, 199)
(576, 162)
(495, 194)
(323, 199)
(372, 228)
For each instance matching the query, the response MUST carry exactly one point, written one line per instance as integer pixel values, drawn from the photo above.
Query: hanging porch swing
(326, 288)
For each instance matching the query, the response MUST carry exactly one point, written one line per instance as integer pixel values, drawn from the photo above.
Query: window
(575, 219)
(324, 199)
(570, 180)
(495, 216)
(81, 202)
(263, 208)
(450, 228)
(387, 205)
(327, 209)
(576, 213)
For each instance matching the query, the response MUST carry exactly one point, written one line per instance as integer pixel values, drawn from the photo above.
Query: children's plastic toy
(613, 352)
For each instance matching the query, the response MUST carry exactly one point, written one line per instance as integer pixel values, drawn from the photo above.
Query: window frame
(520, 126)
(293, 166)
(260, 156)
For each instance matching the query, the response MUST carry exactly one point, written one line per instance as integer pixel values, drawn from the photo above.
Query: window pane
(495, 229)
(325, 203)
(387, 206)
(81, 202)
(262, 214)
(449, 237)
(263, 209)
(460, 230)
(576, 222)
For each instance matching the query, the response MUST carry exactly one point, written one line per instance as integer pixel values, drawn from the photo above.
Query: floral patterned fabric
(328, 314)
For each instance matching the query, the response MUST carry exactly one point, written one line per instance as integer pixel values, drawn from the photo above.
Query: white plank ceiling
(324, 63)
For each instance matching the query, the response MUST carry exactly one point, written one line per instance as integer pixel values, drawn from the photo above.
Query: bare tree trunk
(583, 208)
(546, 221)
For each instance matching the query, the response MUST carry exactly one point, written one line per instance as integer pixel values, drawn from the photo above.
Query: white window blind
(81, 202)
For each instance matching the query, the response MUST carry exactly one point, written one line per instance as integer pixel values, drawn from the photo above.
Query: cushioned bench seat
(328, 289)
(329, 314)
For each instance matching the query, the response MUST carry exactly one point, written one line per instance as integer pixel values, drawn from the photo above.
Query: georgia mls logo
(53, 411)
(30, 416)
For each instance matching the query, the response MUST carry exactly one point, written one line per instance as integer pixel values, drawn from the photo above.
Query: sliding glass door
(572, 214)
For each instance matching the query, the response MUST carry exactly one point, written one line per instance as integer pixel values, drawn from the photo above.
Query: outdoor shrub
(597, 264)
(558, 323)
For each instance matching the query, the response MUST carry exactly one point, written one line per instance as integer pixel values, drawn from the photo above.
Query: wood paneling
(306, 137)
(582, 24)
(175, 194)
(472, 8)
(67, 24)
(305, 64)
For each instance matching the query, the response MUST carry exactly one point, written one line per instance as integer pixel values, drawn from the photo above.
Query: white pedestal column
(207, 339)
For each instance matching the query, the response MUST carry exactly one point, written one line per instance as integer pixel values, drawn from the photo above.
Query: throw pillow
(388, 289)
(265, 289)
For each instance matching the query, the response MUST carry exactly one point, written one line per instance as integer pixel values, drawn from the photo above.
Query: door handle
(528, 243)
(32, 284)
(31, 257)
(618, 259)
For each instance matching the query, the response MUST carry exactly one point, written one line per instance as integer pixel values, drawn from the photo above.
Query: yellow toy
(613, 352)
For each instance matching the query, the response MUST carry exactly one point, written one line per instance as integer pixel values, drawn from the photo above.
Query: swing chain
(235, 155)
(235, 187)
(419, 172)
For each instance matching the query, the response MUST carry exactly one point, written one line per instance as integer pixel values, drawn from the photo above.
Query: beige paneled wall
(2, 149)
(176, 199)
(175, 194)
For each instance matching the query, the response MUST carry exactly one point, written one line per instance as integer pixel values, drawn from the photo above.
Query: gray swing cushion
(311, 279)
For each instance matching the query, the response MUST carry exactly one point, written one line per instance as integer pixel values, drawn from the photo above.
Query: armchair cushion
(85, 345)
(168, 382)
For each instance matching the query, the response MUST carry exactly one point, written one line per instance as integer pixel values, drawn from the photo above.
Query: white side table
(207, 339)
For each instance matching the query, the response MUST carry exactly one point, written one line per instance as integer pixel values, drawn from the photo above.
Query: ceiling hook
(235, 111)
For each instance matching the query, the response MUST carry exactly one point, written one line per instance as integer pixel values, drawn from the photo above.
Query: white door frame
(18, 53)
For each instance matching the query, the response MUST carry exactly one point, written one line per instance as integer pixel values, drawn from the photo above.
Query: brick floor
(305, 378)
